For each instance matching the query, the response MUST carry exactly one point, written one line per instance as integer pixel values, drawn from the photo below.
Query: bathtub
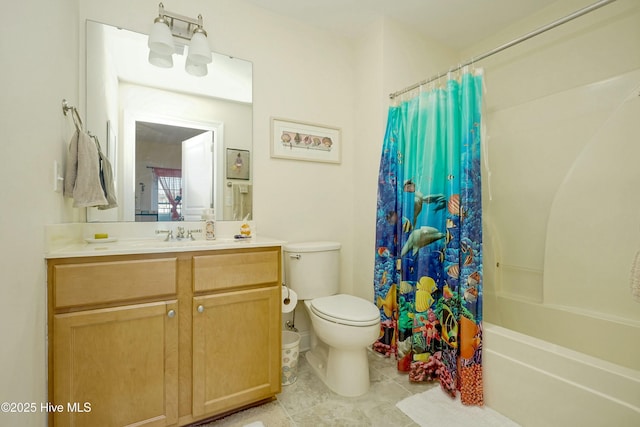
(561, 329)
(537, 383)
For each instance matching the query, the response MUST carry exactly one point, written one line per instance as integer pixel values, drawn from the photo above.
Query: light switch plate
(58, 179)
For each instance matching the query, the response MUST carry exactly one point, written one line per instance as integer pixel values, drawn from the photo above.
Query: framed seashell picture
(305, 141)
(238, 166)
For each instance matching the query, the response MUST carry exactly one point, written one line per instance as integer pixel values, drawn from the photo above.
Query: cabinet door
(117, 366)
(236, 349)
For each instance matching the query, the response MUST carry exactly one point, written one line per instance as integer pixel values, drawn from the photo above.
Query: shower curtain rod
(513, 42)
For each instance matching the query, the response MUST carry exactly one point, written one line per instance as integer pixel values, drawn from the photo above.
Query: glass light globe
(160, 38)
(199, 50)
(162, 61)
(198, 70)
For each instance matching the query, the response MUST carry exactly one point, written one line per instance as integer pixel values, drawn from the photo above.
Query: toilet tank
(312, 269)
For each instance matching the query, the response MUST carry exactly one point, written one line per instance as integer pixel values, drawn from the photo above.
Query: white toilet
(342, 326)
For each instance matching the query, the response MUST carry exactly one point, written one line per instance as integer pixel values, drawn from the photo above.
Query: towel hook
(74, 113)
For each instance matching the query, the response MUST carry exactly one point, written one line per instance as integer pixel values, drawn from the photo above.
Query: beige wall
(39, 46)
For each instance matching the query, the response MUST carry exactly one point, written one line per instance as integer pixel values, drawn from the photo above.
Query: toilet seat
(346, 310)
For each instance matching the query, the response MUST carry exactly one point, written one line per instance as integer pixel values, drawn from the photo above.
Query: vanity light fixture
(162, 47)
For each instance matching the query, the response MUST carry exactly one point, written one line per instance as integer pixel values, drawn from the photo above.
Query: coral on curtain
(428, 260)
(165, 176)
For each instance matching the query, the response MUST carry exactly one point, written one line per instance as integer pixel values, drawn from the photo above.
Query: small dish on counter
(104, 240)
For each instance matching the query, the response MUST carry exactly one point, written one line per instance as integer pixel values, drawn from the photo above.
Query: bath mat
(435, 408)
(268, 415)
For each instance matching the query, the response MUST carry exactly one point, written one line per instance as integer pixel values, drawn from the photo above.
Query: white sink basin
(164, 244)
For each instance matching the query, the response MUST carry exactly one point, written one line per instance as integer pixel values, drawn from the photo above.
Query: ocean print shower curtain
(428, 259)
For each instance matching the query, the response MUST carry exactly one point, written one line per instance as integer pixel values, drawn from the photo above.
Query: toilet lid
(346, 310)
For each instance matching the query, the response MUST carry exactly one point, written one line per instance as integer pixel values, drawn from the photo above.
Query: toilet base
(344, 371)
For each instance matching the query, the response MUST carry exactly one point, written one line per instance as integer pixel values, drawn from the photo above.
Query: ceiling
(164, 134)
(454, 23)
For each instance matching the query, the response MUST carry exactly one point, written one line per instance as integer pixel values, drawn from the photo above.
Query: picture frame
(297, 140)
(238, 164)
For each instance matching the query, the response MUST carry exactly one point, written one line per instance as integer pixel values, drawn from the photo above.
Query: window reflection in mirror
(132, 103)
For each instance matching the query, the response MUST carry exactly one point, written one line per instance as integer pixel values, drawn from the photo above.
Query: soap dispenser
(209, 218)
(245, 228)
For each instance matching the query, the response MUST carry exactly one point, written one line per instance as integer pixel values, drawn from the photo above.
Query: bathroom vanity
(161, 335)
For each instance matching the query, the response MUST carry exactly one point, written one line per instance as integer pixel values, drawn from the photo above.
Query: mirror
(177, 143)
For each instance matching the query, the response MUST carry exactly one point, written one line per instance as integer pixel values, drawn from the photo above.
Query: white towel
(82, 175)
(106, 176)
(242, 204)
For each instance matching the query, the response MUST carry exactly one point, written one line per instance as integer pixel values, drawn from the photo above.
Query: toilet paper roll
(289, 300)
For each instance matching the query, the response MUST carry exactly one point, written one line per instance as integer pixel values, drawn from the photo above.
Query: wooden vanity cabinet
(162, 339)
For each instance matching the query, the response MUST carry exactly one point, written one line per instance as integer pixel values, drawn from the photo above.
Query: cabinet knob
(201, 309)
(171, 313)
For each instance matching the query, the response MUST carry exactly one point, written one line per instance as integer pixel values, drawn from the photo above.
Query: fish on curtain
(428, 259)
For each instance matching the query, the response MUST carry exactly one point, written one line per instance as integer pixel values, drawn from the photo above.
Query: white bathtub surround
(537, 383)
(571, 353)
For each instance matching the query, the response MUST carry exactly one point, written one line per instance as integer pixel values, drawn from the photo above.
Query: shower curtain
(428, 259)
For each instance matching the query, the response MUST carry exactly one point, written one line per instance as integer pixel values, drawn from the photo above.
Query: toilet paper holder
(286, 300)
(289, 324)
(289, 300)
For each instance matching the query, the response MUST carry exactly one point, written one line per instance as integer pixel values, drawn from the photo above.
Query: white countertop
(146, 246)
(72, 239)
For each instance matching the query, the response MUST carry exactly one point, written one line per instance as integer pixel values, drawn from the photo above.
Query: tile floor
(308, 402)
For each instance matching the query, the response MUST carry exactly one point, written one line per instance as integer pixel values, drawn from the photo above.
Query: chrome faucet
(190, 234)
(169, 234)
(180, 234)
